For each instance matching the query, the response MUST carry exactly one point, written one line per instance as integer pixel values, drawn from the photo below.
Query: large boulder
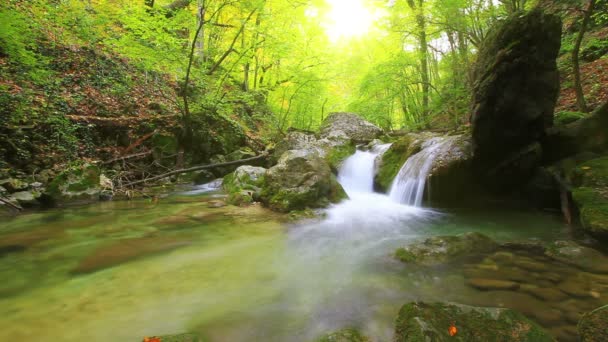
(590, 195)
(301, 179)
(244, 185)
(351, 125)
(443, 249)
(76, 185)
(515, 90)
(593, 326)
(421, 322)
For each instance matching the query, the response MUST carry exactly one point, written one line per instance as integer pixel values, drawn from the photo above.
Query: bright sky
(348, 18)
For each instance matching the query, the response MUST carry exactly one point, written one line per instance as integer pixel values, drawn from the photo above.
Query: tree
(580, 97)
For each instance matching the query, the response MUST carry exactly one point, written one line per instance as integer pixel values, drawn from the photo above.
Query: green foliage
(566, 117)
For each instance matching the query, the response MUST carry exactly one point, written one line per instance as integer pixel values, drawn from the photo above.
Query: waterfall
(357, 173)
(408, 186)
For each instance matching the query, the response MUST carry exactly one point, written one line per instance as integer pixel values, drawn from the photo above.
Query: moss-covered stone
(422, 322)
(336, 156)
(593, 326)
(590, 195)
(344, 335)
(442, 249)
(566, 117)
(244, 185)
(79, 184)
(300, 180)
(394, 158)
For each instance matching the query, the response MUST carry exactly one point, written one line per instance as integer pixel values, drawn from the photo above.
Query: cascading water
(408, 186)
(357, 173)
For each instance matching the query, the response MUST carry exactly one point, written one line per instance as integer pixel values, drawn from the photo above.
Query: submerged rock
(516, 87)
(593, 326)
(351, 125)
(441, 249)
(570, 252)
(421, 322)
(300, 180)
(344, 335)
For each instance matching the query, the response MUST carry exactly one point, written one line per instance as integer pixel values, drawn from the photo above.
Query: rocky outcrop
(441, 249)
(351, 125)
(421, 322)
(244, 185)
(515, 90)
(301, 179)
(593, 326)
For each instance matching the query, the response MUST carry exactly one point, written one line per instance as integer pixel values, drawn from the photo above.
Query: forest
(304, 170)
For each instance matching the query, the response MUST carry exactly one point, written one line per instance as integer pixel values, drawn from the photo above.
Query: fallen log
(131, 156)
(196, 168)
(10, 204)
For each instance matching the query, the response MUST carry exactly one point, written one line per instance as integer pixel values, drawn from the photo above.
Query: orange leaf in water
(452, 330)
(152, 339)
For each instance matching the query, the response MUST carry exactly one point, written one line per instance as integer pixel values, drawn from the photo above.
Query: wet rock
(393, 159)
(352, 125)
(26, 198)
(441, 249)
(300, 180)
(344, 335)
(244, 185)
(593, 326)
(570, 252)
(515, 90)
(76, 185)
(576, 287)
(548, 317)
(421, 322)
(126, 250)
(13, 184)
(546, 293)
(295, 140)
(216, 204)
(529, 264)
(492, 284)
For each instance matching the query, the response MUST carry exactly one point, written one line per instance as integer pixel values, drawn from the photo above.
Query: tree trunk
(578, 88)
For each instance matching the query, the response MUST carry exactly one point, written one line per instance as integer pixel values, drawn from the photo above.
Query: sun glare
(348, 18)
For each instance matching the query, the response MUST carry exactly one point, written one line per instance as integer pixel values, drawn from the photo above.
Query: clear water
(120, 271)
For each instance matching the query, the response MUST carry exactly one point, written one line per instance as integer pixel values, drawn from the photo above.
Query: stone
(301, 179)
(546, 293)
(572, 253)
(515, 90)
(492, 284)
(76, 185)
(13, 184)
(216, 204)
(442, 249)
(244, 185)
(593, 326)
(26, 198)
(422, 322)
(351, 125)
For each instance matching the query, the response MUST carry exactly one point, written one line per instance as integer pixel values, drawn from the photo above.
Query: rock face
(76, 185)
(593, 326)
(352, 125)
(421, 322)
(244, 185)
(515, 91)
(441, 249)
(301, 179)
(590, 195)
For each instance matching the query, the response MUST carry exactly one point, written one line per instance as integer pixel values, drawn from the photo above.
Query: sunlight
(348, 18)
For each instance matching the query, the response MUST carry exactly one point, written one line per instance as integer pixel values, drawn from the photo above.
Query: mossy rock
(566, 117)
(394, 158)
(422, 322)
(336, 156)
(301, 179)
(244, 185)
(593, 326)
(443, 249)
(79, 184)
(344, 335)
(590, 195)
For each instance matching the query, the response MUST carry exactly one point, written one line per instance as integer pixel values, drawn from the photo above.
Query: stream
(120, 271)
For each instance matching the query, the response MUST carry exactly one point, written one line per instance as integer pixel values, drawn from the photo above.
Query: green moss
(337, 155)
(566, 117)
(593, 326)
(404, 255)
(344, 335)
(420, 322)
(591, 195)
(393, 160)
